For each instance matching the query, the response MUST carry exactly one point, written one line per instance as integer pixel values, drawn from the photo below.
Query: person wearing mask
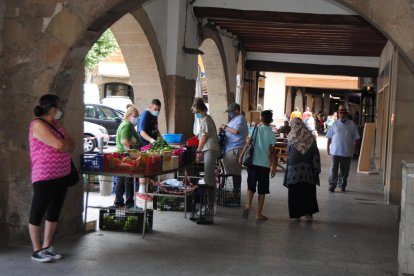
(302, 171)
(208, 147)
(51, 162)
(126, 138)
(258, 173)
(341, 138)
(235, 132)
(148, 131)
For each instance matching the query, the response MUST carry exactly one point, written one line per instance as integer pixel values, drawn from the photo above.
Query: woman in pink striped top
(50, 156)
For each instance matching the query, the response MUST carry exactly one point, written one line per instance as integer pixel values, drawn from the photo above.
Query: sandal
(262, 218)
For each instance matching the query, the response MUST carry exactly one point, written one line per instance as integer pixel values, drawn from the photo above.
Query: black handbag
(73, 177)
(248, 155)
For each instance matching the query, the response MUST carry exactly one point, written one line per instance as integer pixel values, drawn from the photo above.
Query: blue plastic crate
(92, 162)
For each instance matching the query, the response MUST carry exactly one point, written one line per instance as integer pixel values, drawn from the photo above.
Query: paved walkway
(355, 233)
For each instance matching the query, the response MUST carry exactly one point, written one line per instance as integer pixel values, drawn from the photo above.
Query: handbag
(73, 177)
(248, 155)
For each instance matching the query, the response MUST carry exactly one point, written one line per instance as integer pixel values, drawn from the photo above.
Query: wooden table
(281, 151)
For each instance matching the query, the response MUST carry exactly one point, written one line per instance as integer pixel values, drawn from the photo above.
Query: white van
(90, 93)
(117, 102)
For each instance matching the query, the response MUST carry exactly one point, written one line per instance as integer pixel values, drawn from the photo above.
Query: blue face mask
(198, 116)
(232, 115)
(155, 113)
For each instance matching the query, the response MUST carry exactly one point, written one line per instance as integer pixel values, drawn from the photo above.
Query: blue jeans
(343, 164)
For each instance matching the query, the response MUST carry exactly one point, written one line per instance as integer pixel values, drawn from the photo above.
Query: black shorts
(48, 197)
(260, 176)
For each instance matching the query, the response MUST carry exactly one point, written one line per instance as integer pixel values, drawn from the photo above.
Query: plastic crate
(177, 204)
(112, 219)
(92, 162)
(228, 194)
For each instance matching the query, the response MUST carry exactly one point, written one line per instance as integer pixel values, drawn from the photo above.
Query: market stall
(146, 163)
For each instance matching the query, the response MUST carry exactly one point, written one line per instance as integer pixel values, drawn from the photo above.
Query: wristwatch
(198, 151)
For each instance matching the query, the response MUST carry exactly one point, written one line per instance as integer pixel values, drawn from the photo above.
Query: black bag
(73, 177)
(248, 155)
(221, 137)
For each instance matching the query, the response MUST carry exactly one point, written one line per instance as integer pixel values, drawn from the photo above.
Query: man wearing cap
(341, 138)
(236, 132)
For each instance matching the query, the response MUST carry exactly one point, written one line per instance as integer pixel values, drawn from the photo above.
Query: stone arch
(217, 74)
(393, 18)
(143, 57)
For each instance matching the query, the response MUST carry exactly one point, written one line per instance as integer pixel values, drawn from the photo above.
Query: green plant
(104, 46)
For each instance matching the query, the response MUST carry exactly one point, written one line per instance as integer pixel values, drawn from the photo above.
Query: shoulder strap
(55, 129)
(252, 139)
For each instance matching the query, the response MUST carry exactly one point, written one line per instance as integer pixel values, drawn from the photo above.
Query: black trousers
(48, 197)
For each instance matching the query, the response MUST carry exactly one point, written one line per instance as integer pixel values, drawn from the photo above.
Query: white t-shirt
(208, 127)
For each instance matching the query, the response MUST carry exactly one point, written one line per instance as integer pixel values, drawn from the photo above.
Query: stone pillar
(299, 99)
(326, 103)
(178, 105)
(406, 238)
(400, 145)
(309, 102)
(318, 104)
(288, 106)
(274, 94)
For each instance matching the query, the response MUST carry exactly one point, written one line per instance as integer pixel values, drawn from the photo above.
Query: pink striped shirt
(47, 162)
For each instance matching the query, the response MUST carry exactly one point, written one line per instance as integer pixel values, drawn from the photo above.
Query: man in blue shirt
(236, 132)
(148, 131)
(341, 138)
(148, 123)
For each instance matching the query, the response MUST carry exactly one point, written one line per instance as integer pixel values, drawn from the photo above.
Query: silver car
(91, 137)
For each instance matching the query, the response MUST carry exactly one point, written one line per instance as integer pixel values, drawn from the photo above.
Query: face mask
(58, 115)
(232, 115)
(133, 120)
(198, 116)
(155, 113)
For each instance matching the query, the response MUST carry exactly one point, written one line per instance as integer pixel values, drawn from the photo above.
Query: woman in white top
(208, 148)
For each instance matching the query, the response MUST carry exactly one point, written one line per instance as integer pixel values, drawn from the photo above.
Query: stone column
(326, 103)
(178, 105)
(274, 94)
(406, 239)
(318, 104)
(288, 105)
(299, 99)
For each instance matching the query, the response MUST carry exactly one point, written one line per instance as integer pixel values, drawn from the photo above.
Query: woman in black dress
(302, 171)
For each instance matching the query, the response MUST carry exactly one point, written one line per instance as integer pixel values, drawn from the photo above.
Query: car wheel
(89, 143)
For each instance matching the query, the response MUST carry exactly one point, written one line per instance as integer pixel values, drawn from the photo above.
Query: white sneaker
(50, 252)
(41, 257)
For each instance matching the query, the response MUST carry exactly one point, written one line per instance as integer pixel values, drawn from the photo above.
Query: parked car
(117, 102)
(91, 137)
(105, 116)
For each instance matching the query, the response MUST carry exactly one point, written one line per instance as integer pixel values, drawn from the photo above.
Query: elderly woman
(50, 148)
(208, 148)
(302, 171)
(126, 138)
